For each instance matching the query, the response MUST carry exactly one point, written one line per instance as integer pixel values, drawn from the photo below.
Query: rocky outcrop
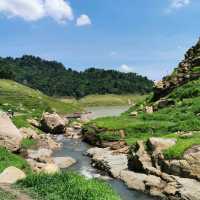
(41, 160)
(64, 162)
(53, 123)
(10, 137)
(105, 160)
(163, 186)
(11, 175)
(29, 133)
(182, 74)
(139, 159)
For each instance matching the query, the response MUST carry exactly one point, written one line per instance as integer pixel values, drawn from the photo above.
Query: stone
(52, 123)
(114, 145)
(73, 133)
(29, 133)
(162, 103)
(40, 155)
(160, 144)
(104, 159)
(183, 134)
(10, 136)
(34, 123)
(139, 159)
(51, 169)
(134, 114)
(133, 180)
(149, 109)
(11, 175)
(64, 162)
(47, 142)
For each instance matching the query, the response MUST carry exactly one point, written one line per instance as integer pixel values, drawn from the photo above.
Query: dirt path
(19, 195)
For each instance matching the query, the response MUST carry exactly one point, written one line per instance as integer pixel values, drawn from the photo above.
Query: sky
(148, 37)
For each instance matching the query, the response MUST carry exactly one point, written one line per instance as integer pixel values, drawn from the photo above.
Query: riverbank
(106, 100)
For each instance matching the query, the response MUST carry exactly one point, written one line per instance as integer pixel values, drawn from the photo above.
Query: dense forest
(54, 79)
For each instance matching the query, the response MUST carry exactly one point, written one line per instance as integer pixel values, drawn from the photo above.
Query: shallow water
(77, 149)
(105, 111)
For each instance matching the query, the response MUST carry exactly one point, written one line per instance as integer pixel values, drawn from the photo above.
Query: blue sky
(145, 36)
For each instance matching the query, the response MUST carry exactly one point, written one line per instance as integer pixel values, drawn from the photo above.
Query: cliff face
(187, 70)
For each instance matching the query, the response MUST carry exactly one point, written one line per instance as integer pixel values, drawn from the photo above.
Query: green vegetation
(183, 116)
(54, 79)
(28, 143)
(6, 196)
(110, 100)
(8, 159)
(66, 185)
(29, 103)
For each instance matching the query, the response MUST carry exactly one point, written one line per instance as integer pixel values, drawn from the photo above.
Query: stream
(76, 149)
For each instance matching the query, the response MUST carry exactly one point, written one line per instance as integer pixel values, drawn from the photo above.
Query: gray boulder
(10, 136)
(53, 123)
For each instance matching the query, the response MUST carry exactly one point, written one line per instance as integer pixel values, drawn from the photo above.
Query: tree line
(54, 79)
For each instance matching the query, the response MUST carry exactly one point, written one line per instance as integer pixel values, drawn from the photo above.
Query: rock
(133, 180)
(29, 133)
(39, 167)
(105, 160)
(139, 159)
(160, 144)
(149, 109)
(10, 137)
(64, 162)
(47, 142)
(134, 114)
(11, 175)
(162, 103)
(34, 123)
(52, 123)
(114, 145)
(183, 134)
(41, 155)
(51, 169)
(73, 133)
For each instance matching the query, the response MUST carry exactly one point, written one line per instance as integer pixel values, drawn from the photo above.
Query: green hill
(25, 101)
(53, 79)
(177, 111)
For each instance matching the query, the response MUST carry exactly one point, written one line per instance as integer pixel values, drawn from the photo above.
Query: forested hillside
(54, 79)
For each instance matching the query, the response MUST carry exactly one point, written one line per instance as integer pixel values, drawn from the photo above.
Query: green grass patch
(8, 159)
(183, 116)
(28, 143)
(66, 185)
(6, 196)
(110, 100)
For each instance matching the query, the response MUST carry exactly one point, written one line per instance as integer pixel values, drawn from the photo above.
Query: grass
(28, 143)
(22, 99)
(8, 159)
(6, 196)
(163, 123)
(66, 185)
(106, 100)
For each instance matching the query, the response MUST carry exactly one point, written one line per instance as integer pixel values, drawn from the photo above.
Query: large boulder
(53, 123)
(104, 159)
(139, 159)
(40, 155)
(10, 136)
(64, 162)
(160, 144)
(11, 175)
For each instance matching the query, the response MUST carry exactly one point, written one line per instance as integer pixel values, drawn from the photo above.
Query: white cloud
(179, 3)
(83, 20)
(32, 10)
(125, 68)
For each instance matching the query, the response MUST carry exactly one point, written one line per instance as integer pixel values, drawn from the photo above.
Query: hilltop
(54, 79)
